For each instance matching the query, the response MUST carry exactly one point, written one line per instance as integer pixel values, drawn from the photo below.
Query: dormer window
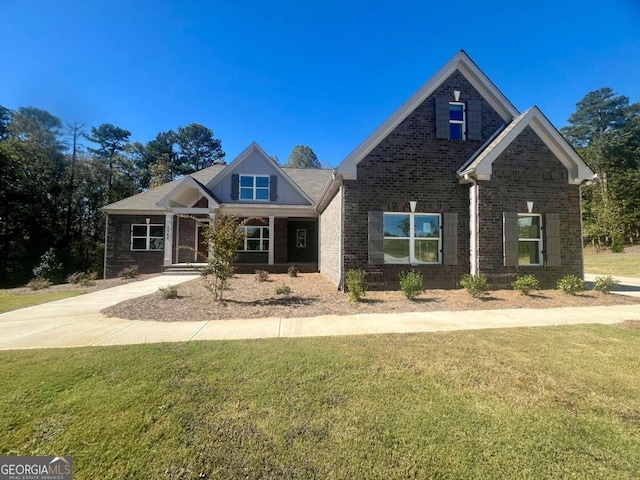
(457, 130)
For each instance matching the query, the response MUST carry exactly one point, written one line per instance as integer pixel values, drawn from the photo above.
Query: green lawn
(606, 263)
(559, 402)
(10, 301)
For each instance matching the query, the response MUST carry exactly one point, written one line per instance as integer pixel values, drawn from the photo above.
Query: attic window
(457, 129)
(254, 187)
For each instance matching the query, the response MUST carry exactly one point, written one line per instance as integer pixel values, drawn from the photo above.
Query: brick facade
(411, 164)
(527, 171)
(119, 254)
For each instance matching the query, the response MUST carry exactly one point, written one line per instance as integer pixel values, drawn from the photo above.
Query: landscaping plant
(411, 284)
(605, 284)
(224, 237)
(129, 272)
(355, 281)
(262, 276)
(39, 284)
(283, 289)
(86, 279)
(293, 271)
(526, 283)
(571, 285)
(476, 285)
(49, 267)
(169, 292)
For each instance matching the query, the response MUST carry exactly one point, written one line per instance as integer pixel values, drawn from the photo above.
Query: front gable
(460, 80)
(256, 178)
(189, 193)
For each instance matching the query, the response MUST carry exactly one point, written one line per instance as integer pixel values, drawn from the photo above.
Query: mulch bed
(313, 295)
(65, 287)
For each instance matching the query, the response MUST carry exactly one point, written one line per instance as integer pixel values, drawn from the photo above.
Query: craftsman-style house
(456, 181)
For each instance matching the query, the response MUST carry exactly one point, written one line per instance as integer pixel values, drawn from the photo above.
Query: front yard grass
(625, 264)
(558, 402)
(10, 301)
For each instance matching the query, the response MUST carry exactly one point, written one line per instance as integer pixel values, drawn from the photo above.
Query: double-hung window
(412, 238)
(529, 239)
(254, 187)
(256, 239)
(457, 130)
(147, 237)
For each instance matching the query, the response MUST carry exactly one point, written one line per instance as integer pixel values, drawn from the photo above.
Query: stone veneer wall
(528, 171)
(119, 254)
(411, 164)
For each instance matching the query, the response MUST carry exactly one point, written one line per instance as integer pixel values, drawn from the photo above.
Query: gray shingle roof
(311, 181)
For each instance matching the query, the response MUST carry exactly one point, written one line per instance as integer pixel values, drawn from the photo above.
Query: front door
(302, 241)
(202, 246)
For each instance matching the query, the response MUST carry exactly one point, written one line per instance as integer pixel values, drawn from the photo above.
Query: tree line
(52, 187)
(605, 131)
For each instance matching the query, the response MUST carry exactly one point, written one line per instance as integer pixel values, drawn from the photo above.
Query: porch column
(212, 222)
(168, 239)
(272, 241)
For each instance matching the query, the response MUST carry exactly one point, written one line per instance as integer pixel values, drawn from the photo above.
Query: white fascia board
(578, 170)
(243, 156)
(187, 182)
(467, 67)
(258, 211)
(133, 211)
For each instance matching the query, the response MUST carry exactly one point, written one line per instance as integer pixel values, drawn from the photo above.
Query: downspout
(341, 256)
(106, 230)
(473, 224)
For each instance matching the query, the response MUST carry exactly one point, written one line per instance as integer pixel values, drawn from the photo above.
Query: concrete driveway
(76, 321)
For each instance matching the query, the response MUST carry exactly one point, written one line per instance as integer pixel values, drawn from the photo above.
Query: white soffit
(467, 67)
(188, 182)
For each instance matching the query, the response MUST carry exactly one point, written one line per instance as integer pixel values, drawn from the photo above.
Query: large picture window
(412, 238)
(254, 187)
(256, 239)
(529, 239)
(147, 237)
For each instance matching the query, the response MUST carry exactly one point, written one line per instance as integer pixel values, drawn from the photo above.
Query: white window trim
(412, 238)
(261, 238)
(462, 122)
(302, 244)
(539, 240)
(147, 237)
(254, 188)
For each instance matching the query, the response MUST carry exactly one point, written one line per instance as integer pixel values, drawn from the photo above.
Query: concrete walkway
(76, 321)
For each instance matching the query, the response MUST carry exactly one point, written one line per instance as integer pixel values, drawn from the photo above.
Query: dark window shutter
(235, 186)
(510, 231)
(273, 188)
(442, 117)
(376, 238)
(450, 239)
(474, 119)
(552, 234)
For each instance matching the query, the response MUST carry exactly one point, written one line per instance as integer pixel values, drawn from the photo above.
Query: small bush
(83, 278)
(49, 267)
(262, 276)
(129, 272)
(526, 284)
(355, 281)
(293, 271)
(571, 285)
(605, 284)
(39, 284)
(170, 291)
(476, 285)
(283, 289)
(411, 284)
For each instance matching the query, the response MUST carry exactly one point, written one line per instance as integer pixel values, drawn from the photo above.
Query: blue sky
(282, 73)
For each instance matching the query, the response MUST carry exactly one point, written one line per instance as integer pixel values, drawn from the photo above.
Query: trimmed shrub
(39, 284)
(355, 281)
(605, 284)
(411, 284)
(169, 292)
(86, 279)
(526, 283)
(293, 271)
(129, 272)
(262, 276)
(476, 285)
(571, 285)
(283, 289)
